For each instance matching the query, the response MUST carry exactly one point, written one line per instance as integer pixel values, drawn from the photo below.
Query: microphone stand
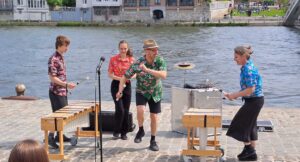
(100, 114)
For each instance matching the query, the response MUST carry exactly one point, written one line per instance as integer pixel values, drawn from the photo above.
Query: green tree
(53, 3)
(283, 3)
(245, 1)
(69, 3)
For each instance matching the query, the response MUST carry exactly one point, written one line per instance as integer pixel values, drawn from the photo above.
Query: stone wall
(32, 15)
(187, 15)
(6, 15)
(136, 16)
(146, 15)
(199, 13)
(72, 14)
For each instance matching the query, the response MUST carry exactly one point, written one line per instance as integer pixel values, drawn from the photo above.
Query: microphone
(102, 59)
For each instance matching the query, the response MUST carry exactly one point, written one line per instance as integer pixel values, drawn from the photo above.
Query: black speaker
(108, 121)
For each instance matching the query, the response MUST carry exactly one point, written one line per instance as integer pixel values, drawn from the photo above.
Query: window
(157, 2)
(144, 3)
(130, 3)
(114, 10)
(20, 2)
(186, 2)
(84, 1)
(106, 11)
(99, 11)
(171, 2)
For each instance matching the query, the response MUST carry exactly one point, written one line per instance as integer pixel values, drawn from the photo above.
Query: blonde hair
(243, 50)
(248, 49)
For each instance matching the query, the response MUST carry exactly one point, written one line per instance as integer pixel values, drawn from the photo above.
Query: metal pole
(100, 114)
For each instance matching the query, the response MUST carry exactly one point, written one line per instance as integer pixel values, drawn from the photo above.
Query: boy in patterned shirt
(58, 82)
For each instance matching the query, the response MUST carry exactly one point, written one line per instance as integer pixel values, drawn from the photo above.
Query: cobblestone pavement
(21, 120)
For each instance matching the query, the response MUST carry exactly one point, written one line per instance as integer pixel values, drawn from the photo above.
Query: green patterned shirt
(147, 84)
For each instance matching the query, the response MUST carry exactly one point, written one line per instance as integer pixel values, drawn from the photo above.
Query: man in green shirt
(149, 70)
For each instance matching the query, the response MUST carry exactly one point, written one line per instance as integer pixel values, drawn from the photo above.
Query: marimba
(70, 117)
(200, 120)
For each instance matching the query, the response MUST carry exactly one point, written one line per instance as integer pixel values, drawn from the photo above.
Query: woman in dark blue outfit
(243, 126)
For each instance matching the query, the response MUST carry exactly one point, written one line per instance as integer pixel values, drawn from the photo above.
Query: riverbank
(235, 21)
(21, 120)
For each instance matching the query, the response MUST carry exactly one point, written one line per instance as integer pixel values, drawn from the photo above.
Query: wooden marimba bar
(67, 118)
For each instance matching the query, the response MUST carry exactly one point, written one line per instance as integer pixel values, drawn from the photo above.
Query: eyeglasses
(152, 49)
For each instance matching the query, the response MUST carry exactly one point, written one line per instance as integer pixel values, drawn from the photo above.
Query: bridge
(292, 16)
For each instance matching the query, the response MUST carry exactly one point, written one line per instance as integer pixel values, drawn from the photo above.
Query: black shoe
(116, 135)
(52, 143)
(247, 152)
(138, 137)
(124, 137)
(242, 153)
(249, 158)
(66, 139)
(153, 146)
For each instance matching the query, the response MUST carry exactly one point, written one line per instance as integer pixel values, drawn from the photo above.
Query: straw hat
(150, 43)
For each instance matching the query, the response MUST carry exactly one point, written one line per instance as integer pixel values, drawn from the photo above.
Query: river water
(24, 52)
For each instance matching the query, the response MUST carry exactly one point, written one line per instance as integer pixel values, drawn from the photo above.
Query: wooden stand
(201, 120)
(56, 122)
(95, 133)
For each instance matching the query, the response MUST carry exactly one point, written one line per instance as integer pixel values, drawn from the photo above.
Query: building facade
(155, 10)
(147, 11)
(31, 10)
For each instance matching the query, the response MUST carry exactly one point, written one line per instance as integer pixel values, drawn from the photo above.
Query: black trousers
(244, 124)
(121, 107)
(57, 102)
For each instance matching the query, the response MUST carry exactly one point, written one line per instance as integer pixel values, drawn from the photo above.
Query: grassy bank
(265, 13)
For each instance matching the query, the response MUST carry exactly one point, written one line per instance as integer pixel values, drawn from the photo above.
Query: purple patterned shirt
(57, 67)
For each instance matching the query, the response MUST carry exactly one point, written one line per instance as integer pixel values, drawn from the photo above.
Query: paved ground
(21, 120)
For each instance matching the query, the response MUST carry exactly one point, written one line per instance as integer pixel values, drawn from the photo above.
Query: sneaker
(52, 143)
(124, 137)
(247, 152)
(153, 146)
(116, 135)
(249, 158)
(138, 137)
(66, 139)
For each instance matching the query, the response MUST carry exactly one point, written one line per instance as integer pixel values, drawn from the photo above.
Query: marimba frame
(56, 122)
(198, 120)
